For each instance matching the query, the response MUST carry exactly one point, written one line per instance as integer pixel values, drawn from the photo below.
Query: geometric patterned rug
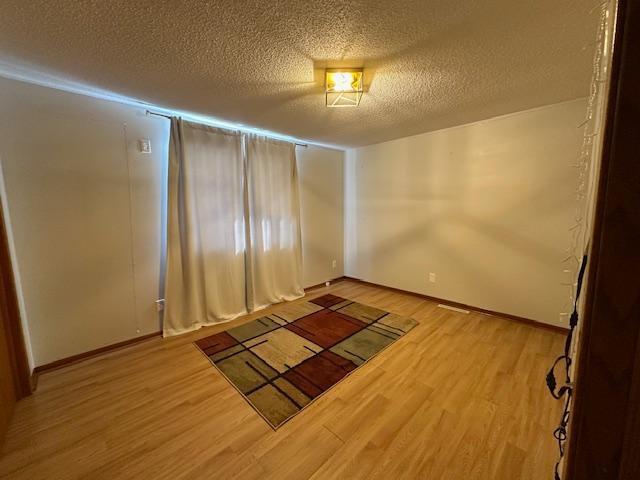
(283, 361)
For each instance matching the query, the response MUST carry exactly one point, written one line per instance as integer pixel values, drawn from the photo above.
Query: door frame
(10, 316)
(604, 436)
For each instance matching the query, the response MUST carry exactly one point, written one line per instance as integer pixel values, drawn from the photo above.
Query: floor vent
(449, 307)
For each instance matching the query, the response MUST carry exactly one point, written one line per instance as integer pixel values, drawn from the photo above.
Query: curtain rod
(149, 112)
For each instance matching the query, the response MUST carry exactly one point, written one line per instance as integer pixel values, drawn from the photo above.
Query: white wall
(86, 212)
(485, 206)
(320, 172)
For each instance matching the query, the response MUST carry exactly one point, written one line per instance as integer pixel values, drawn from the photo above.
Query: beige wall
(320, 171)
(85, 211)
(485, 206)
(86, 214)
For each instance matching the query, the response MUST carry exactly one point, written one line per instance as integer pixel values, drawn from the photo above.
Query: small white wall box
(144, 145)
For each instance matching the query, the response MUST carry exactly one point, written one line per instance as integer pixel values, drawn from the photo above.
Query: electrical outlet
(432, 277)
(334, 264)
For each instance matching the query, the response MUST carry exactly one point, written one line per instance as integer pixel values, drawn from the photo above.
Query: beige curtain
(233, 221)
(205, 275)
(274, 254)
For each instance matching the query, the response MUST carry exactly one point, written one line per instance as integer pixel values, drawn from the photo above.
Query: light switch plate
(144, 145)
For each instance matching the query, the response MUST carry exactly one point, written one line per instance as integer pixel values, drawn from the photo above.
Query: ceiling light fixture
(343, 87)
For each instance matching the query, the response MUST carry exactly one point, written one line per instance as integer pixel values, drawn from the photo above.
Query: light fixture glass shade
(343, 87)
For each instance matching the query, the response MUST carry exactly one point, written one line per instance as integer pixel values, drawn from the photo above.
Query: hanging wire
(576, 260)
(583, 163)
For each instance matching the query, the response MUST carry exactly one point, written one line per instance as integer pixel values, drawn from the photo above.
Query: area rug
(283, 361)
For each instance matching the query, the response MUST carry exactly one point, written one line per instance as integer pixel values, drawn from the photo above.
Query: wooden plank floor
(461, 396)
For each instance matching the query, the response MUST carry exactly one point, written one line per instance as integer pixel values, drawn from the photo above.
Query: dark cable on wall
(560, 433)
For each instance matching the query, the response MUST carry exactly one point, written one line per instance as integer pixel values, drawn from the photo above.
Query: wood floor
(461, 396)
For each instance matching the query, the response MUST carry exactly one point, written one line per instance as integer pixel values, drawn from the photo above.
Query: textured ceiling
(429, 64)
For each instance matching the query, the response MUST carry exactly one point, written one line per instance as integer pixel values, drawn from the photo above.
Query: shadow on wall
(485, 204)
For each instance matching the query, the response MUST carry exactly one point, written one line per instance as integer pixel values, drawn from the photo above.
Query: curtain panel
(233, 226)
(274, 252)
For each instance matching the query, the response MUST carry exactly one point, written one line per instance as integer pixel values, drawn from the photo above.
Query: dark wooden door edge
(64, 362)
(450, 303)
(11, 317)
(604, 435)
